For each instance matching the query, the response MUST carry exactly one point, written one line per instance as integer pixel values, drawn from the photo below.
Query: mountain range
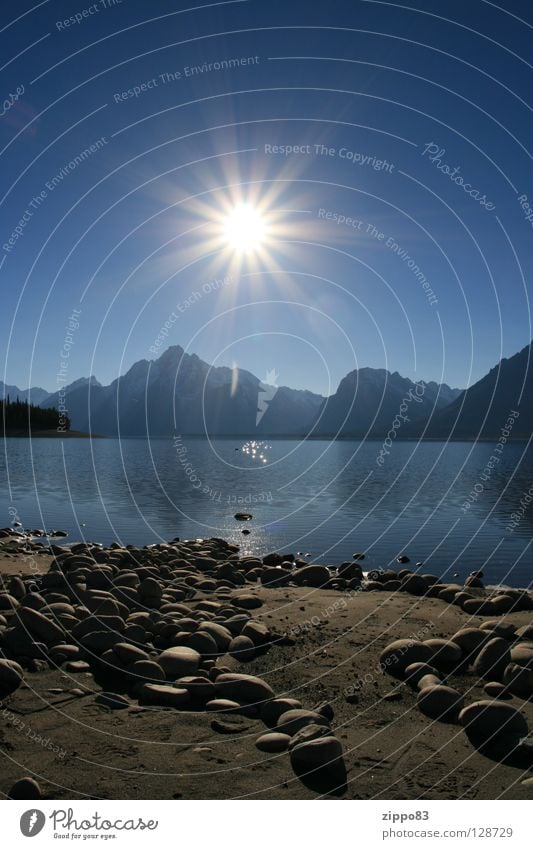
(180, 393)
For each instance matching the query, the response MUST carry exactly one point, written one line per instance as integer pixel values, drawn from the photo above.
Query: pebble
(402, 653)
(416, 671)
(311, 576)
(492, 720)
(319, 753)
(292, 720)
(522, 653)
(112, 700)
(179, 661)
(273, 742)
(11, 677)
(496, 690)
(518, 680)
(242, 648)
(197, 686)
(162, 695)
(25, 788)
(470, 640)
(440, 702)
(492, 659)
(272, 710)
(445, 652)
(246, 689)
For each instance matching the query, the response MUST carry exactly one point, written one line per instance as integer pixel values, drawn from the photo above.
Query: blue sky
(388, 108)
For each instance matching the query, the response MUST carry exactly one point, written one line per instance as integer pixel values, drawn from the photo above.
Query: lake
(324, 499)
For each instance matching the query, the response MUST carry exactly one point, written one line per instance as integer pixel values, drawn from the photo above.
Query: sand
(77, 749)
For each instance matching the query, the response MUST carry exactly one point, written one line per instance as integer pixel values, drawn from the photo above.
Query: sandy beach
(320, 646)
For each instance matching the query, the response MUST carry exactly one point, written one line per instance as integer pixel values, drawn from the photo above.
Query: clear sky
(384, 145)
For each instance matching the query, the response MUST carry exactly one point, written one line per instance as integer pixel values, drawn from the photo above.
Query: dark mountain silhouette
(368, 400)
(36, 395)
(180, 393)
(483, 410)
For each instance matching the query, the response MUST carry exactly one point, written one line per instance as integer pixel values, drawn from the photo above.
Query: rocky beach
(188, 670)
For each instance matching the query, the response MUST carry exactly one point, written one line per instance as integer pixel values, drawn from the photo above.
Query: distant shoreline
(53, 434)
(259, 437)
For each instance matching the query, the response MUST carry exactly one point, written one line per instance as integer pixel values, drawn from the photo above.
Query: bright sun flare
(244, 229)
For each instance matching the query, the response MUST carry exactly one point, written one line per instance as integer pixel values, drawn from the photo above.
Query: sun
(245, 229)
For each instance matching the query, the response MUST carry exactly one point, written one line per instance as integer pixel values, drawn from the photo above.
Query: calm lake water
(325, 499)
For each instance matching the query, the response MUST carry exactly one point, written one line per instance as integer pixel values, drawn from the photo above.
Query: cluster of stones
(153, 623)
(498, 654)
(472, 597)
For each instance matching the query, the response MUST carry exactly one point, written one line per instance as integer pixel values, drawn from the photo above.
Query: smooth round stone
(519, 680)
(428, 681)
(496, 690)
(222, 705)
(502, 603)
(272, 710)
(470, 640)
(416, 671)
(492, 659)
(197, 686)
(309, 732)
(273, 742)
(11, 677)
(202, 642)
(221, 635)
(440, 702)
(112, 624)
(112, 700)
(64, 651)
(326, 710)
(499, 629)
(414, 584)
(402, 653)
(256, 632)
(236, 623)
(492, 720)
(39, 626)
(445, 652)
(311, 576)
(179, 661)
(77, 666)
(242, 688)
(525, 633)
(8, 602)
(98, 641)
(292, 720)
(448, 592)
(242, 648)
(247, 602)
(146, 672)
(522, 653)
(26, 788)
(319, 753)
(162, 695)
(129, 654)
(275, 577)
